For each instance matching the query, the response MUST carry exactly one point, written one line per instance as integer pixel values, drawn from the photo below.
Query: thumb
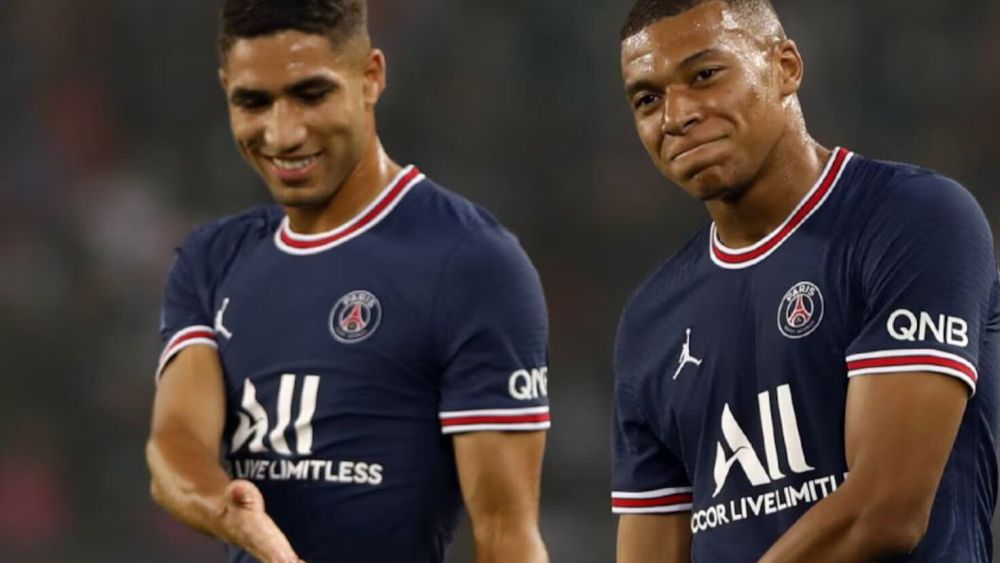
(244, 494)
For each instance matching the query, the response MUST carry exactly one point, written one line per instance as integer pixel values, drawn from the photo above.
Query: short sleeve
(493, 331)
(185, 318)
(646, 477)
(928, 274)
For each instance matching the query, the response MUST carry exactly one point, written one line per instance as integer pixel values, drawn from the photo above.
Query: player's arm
(651, 492)
(899, 433)
(654, 538)
(183, 457)
(500, 475)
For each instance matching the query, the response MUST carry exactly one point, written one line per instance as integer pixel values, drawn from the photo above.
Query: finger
(268, 543)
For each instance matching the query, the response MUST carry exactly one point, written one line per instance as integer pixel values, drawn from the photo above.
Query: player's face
(706, 99)
(302, 113)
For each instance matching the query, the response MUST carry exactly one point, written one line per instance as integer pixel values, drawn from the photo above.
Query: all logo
(801, 310)
(254, 425)
(355, 317)
(744, 453)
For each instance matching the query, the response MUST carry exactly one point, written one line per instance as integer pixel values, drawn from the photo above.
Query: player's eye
(643, 100)
(313, 96)
(251, 102)
(706, 74)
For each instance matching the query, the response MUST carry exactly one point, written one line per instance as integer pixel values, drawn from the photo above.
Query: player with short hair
(363, 357)
(812, 377)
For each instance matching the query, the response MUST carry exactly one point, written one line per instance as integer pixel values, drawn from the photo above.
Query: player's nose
(284, 129)
(680, 113)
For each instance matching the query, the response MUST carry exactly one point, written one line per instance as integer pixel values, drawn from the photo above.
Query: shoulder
(652, 299)
(676, 273)
(904, 194)
(479, 242)
(450, 212)
(218, 241)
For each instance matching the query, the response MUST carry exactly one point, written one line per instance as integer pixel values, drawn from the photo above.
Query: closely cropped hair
(647, 12)
(336, 19)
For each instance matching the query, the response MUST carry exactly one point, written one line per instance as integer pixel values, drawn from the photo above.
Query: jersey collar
(737, 259)
(293, 243)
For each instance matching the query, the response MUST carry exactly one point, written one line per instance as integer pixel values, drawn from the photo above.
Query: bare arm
(654, 538)
(500, 474)
(183, 457)
(892, 421)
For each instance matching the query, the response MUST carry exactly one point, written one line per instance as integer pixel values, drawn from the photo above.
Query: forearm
(187, 481)
(654, 538)
(845, 526)
(499, 545)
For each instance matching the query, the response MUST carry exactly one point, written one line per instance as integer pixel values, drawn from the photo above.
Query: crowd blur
(116, 143)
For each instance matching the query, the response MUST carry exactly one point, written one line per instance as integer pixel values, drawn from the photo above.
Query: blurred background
(115, 144)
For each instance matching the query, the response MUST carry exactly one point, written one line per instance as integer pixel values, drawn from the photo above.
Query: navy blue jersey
(350, 357)
(732, 366)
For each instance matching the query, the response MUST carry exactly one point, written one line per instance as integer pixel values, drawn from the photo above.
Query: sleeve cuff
(197, 334)
(660, 501)
(899, 361)
(505, 420)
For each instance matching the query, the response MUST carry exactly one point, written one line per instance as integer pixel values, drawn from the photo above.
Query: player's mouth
(293, 169)
(686, 150)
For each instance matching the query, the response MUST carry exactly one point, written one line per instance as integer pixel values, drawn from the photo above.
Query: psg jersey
(732, 366)
(351, 357)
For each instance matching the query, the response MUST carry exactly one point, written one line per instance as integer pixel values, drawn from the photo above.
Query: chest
(745, 343)
(339, 315)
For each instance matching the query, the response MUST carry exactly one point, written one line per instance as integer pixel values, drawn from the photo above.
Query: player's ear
(375, 76)
(790, 67)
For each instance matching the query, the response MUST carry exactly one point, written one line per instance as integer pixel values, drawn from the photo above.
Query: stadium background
(115, 143)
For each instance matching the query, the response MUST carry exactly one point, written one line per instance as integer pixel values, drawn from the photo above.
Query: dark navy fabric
(342, 364)
(740, 422)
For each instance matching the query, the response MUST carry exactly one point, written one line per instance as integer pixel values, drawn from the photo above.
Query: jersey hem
(662, 501)
(481, 420)
(653, 509)
(189, 336)
(902, 361)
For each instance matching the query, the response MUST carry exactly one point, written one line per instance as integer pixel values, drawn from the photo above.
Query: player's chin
(707, 184)
(298, 195)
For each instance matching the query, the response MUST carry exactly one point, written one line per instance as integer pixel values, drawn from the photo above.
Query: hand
(245, 523)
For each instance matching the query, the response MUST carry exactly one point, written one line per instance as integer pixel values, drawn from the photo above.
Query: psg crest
(355, 316)
(801, 310)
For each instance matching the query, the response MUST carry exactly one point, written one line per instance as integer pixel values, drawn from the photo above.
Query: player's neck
(786, 177)
(373, 173)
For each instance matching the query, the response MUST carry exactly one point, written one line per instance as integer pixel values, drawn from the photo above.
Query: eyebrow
(309, 85)
(304, 86)
(632, 88)
(704, 53)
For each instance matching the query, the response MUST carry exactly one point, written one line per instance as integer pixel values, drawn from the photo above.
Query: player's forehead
(276, 60)
(665, 44)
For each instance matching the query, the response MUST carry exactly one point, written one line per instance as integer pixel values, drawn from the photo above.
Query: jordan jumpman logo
(686, 357)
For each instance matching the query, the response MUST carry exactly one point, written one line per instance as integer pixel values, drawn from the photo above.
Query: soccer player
(340, 371)
(812, 377)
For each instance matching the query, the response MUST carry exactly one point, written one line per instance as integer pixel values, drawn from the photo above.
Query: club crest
(801, 310)
(355, 317)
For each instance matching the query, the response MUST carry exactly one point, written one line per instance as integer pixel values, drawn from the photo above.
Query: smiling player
(363, 356)
(813, 377)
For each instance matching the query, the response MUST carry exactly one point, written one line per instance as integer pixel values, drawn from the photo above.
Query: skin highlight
(715, 106)
(303, 116)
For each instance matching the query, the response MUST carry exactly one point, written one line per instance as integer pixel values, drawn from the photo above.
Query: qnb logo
(743, 452)
(254, 425)
(529, 384)
(908, 326)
